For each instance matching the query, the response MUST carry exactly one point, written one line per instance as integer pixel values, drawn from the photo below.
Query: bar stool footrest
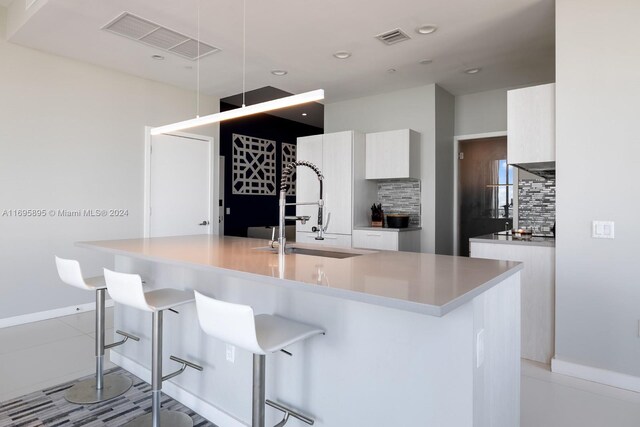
(126, 336)
(288, 412)
(185, 363)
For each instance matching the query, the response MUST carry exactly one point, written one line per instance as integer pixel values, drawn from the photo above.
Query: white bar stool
(127, 289)
(101, 387)
(236, 324)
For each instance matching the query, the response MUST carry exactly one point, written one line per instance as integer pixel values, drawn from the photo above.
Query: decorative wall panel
(401, 197)
(537, 204)
(254, 165)
(288, 156)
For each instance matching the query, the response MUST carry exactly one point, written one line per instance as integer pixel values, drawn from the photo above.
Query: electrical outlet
(228, 211)
(231, 353)
(480, 348)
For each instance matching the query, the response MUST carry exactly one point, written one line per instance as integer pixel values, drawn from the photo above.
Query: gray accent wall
(445, 119)
(481, 112)
(415, 109)
(598, 147)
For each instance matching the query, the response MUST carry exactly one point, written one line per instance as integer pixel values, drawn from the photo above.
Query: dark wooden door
(485, 190)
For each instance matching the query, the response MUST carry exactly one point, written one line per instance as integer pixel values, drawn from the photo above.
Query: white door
(179, 185)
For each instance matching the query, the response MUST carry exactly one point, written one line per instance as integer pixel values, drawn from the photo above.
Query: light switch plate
(603, 230)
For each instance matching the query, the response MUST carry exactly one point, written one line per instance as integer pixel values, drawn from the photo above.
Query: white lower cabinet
(537, 289)
(387, 240)
(342, 240)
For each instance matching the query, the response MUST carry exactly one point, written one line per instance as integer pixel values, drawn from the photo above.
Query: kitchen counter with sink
(432, 284)
(412, 338)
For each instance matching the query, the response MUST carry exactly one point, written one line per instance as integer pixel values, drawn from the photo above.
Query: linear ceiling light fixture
(263, 107)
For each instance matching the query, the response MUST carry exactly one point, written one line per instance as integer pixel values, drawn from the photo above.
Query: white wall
(481, 112)
(598, 152)
(71, 137)
(413, 108)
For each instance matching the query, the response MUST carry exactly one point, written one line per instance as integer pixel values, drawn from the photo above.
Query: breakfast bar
(411, 338)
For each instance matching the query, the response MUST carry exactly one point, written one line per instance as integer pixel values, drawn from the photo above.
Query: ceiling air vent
(144, 31)
(393, 36)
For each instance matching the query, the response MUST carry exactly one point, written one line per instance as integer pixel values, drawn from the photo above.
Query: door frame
(213, 180)
(456, 200)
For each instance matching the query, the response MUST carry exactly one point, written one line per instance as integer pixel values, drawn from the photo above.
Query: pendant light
(263, 107)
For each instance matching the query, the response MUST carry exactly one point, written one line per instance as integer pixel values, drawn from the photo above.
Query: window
(502, 190)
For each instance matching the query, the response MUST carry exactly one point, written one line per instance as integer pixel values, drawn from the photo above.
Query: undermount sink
(314, 252)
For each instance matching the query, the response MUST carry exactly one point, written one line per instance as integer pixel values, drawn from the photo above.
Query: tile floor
(43, 354)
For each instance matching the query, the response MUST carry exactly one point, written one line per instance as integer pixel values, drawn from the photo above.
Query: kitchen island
(412, 339)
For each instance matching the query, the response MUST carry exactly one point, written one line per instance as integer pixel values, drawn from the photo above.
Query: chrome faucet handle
(302, 218)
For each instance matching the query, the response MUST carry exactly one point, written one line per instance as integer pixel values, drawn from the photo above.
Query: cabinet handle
(374, 235)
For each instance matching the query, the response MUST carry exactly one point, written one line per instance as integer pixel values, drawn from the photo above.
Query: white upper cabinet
(393, 155)
(531, 124)
(338, 157)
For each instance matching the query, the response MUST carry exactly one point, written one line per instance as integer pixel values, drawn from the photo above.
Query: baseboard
(602, 376)
(49, 314)
(188, 399)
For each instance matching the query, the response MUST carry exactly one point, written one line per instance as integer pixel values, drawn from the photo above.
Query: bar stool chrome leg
(258, 410)
(159, 417)
(101, 387)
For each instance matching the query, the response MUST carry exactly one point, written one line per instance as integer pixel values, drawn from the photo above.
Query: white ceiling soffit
(144, 31)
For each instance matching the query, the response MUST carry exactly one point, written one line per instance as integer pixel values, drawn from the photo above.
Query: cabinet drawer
(369, 239)
(342, 240)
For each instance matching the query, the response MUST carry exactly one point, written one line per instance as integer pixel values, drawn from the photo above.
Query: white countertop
(367, 228)
(514, 240)
(422, 283)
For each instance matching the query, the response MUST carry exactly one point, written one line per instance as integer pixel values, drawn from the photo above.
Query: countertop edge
(481, 239)
(387, 229)
(409, 306)
(457, 302)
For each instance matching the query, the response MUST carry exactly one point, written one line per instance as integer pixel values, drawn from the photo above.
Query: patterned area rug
(49, 408)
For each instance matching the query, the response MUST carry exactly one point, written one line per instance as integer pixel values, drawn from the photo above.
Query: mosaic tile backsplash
(401, 197)
(537, 204)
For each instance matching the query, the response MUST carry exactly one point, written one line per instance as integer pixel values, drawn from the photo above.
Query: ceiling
(511, 40)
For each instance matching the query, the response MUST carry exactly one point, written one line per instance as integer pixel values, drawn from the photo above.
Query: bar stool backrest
(231, 323)
(70, 273)
(126, 289)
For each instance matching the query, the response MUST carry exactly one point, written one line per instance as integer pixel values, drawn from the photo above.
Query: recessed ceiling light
(343, 54)
(426, 29)
(304, 114)
(426, 61)
(157, 57)
(391, 70)
(472, 70)
(279, 72)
